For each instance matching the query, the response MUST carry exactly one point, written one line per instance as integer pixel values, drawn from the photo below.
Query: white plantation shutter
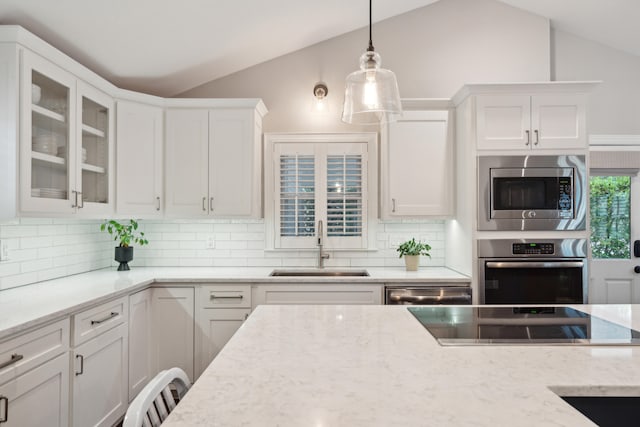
(297, 195)
(320, 177)
(344, 195)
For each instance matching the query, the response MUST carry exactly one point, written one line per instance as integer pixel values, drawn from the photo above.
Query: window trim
(370, 193)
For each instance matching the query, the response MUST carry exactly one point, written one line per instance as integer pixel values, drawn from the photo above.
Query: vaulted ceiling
(165, 47)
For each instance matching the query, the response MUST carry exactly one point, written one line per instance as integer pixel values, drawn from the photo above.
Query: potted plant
(411, 250)
(125, 234)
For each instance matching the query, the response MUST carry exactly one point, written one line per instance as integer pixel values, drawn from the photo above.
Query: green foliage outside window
(610, 221)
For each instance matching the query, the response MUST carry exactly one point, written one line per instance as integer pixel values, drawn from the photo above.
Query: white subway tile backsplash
(43, 249)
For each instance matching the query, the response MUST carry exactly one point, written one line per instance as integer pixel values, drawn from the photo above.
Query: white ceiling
(165, 47)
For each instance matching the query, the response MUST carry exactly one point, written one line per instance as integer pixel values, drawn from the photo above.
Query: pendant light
(371, 93)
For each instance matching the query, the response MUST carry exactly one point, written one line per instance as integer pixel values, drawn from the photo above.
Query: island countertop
(377, 365)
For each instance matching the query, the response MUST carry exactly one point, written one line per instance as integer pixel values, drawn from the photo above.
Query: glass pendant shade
(371, 94)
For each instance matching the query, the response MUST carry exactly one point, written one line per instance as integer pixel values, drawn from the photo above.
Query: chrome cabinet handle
(226, 296)
(81, 364)
(204, 200)
(75, 199)
(158, 200)
(537, 134)
(211, 204)
(5, 418)
(14, 358)
(393, 205)
(528, 137)
(110, 316)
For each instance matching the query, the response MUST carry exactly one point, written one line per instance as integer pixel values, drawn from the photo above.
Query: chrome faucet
(321, 256)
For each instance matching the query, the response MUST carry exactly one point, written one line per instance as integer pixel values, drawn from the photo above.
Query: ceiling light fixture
(371, 93)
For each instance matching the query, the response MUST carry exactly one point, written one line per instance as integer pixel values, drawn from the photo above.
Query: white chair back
(154, 403)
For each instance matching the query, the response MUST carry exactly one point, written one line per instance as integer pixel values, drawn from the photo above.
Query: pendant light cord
(370, 48)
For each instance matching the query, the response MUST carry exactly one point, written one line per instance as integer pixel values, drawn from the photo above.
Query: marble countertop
(28, 306)
(378, 366)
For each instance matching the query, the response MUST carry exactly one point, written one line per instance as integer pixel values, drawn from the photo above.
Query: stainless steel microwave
(532, 192)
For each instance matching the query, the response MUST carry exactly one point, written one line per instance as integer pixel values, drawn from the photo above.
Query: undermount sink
(319, 273)
(605, 411)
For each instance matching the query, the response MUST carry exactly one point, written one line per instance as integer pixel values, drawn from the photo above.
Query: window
(610, 216)
(320, 177)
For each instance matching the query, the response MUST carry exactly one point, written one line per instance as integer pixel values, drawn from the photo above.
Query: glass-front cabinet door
(66, 155)
(47, 173)
(94, 149)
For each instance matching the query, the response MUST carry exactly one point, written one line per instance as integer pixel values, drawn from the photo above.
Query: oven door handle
(534, 264)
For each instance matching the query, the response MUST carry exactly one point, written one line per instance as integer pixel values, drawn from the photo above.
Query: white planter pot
(411, 262)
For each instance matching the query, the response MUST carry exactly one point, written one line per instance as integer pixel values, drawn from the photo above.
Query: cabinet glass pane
(50, 137)
(94, 153)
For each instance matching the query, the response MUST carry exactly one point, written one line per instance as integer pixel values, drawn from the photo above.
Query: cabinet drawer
(94, 321)
(237, 296)
(24, 352)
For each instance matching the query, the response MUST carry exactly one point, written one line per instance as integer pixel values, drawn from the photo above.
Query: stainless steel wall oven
(532, 193)
(543, 271)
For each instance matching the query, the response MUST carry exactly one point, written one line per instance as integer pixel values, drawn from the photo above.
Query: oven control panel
(533, 249)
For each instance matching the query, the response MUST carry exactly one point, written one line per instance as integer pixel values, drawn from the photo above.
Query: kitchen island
(377, 365)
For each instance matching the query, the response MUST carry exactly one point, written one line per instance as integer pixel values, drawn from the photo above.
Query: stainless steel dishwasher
(428, 294)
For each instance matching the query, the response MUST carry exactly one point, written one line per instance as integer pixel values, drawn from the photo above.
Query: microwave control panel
(533, 248)
(564, 195)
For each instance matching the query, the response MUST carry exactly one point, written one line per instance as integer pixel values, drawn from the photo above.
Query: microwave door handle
(535, 264)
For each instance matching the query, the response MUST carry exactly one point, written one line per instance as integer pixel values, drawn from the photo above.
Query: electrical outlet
(4, 251)
(211, 243)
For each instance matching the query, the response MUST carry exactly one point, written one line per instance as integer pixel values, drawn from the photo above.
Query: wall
(43, 249)
(433, 50)
(614, 105)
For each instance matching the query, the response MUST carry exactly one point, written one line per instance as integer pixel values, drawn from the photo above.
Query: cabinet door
(316, 294)
(94, 151)
(140, 361)
(234, 164)
(187, 162)
(38, 398)
(100, 395)
(558, 121)
(216, 327)
(503, 122)
(139, 139)
(47, 141)
(417, 162)
(173, 328)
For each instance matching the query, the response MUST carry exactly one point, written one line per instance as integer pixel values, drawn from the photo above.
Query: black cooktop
(472, 325)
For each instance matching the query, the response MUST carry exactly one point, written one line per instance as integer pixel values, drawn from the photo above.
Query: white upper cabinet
(139, 137)
(213, 162)
(554, 121)
(66, 143)
(417, 166)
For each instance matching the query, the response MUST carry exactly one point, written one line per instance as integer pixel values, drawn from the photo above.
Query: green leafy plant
(126, 234)
(411, 247)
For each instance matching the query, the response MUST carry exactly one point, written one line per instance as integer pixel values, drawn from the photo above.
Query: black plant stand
(123, 256)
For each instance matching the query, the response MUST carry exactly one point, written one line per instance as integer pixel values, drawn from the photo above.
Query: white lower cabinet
(173, 328)
(221, 311)
(38, 398)
(316, 294)
(100, 395)
(100, 364)
(34, 373)
(141, 368)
